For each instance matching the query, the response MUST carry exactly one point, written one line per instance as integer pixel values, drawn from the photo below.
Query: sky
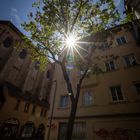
(16, 11)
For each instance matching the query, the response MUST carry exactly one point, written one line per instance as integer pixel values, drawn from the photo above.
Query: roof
(10, 24)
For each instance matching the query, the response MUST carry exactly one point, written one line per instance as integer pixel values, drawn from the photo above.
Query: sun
(71, 41)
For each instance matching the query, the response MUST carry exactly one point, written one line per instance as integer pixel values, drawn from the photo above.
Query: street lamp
(52, 110)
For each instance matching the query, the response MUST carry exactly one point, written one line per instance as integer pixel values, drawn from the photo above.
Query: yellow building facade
(24, 88)
(109, 103)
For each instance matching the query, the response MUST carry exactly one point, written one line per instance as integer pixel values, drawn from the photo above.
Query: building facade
(24, 88)
(108, 106)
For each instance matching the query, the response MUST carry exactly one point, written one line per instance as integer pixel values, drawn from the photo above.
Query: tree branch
(69, 86)
(80, 83)
(77, 14)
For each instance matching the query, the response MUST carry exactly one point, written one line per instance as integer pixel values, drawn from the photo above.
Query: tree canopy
(55, 20)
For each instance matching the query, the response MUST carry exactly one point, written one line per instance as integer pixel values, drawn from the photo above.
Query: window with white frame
(64, 101)
(137, 86)
(110, 65)
(116, 93)
(87, 98)
(130, 60)
(121, 40)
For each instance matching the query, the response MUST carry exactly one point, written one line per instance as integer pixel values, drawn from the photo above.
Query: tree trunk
(71, 120)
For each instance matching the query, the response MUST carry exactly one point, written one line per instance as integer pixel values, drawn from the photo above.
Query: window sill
(124, 44)
(118, 102)
(111, 70)
(131, 66)
(63, 107)
(87, 106)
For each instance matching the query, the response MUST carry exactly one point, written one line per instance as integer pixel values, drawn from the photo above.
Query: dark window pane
(7, 42)
(64, 101)
(127, 61)
(33, 110)
(114, 98)
(87, 98)
(107, 67)
(17, 105)
(123, 40)
(28, 130)
(42, 110)
(134, 62)
(119, 41)
(45, 112)
(48, 74)
(26, 108)
(137, 85)
(23, 54)
(116, 93)
(37, 65)
(112, 66)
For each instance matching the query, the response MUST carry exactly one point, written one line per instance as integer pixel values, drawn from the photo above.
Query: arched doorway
(28, 130)
(9, 128)
(40, 132)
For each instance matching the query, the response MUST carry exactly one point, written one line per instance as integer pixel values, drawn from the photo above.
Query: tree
(55, 21)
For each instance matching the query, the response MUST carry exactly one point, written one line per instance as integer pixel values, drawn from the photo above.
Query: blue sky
(16, 10)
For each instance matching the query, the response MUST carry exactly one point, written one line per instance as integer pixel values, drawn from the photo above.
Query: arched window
(48, 74)
(40, 132)
(23, 54)
(9, 128)
(28, 130)
(7, 42)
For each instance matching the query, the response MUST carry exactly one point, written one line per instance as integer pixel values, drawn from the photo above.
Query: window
(130, 60)
(23, 54)
(33, 110)
(40, 132)
(104, 46)
(9, 128)
(28, 130)
(64, 101)
(137, 86)
(17, 105)
(7, 42)
(48, 74)
(2, 97)
(37, 65)
(78, 131)
(87, 98)
(110, 65)
(26, 108)
(116, 93)
(121, 40)
(43, 112)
